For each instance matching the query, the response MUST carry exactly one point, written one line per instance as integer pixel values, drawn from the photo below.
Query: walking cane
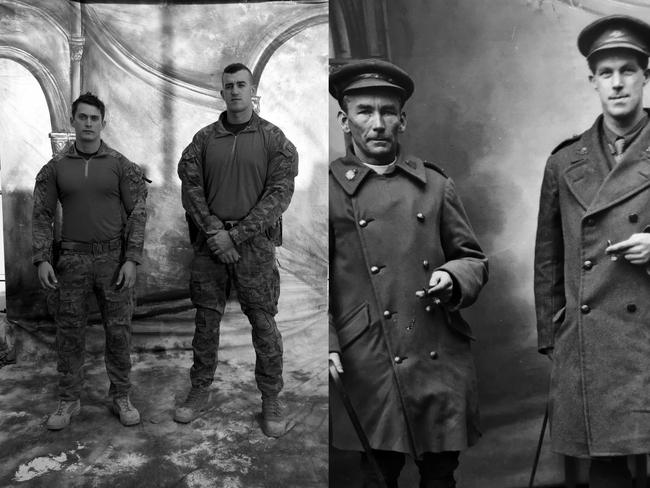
(338, 384)
(539, 448)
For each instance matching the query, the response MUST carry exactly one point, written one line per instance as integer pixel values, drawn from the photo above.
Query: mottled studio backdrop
(157, 68)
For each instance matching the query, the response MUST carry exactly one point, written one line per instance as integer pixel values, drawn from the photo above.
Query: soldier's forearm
(264, 214)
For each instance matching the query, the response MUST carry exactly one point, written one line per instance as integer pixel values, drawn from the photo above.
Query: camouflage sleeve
(190, 171)
(134, 198)
(45, 198)
(278, 189)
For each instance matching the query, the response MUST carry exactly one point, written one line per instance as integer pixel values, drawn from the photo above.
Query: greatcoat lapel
(588, 167)
(630, 176)
(592, 183)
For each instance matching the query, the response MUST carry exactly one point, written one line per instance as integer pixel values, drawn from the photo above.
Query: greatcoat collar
(590, 180)
(350, 172)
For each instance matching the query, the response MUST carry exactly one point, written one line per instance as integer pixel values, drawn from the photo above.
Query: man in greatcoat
(403, 262)
(592, 285)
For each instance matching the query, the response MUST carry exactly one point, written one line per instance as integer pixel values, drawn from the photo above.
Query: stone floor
(223, 448)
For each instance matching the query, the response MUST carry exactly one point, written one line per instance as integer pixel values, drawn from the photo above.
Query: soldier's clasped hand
(221, 244)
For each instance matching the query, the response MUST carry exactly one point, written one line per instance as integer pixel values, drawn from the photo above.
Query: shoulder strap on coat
(565, 143)
(435, 167)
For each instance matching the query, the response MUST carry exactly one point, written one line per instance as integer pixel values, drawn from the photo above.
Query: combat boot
(273, 424)
(61, 417)
(195, 403)
(123, 408)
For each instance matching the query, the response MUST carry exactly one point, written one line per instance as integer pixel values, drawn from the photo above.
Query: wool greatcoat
(408, 367)
(594, 312)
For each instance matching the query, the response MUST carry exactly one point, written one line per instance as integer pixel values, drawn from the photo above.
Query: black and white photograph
(164, 221)
(324, 243)
(482, 213)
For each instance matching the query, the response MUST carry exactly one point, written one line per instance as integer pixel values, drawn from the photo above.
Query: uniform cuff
(236, 236)
(136, 258)
(39, 258)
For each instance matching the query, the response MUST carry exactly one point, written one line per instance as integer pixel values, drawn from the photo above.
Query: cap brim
(372, 83)
(619, 45)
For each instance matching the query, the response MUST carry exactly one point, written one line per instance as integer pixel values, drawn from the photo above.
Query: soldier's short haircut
(597, 56)
(89, 99)
(236, 67)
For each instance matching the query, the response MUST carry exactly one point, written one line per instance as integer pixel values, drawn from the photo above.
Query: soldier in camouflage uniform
(102, 196)
(237, 179)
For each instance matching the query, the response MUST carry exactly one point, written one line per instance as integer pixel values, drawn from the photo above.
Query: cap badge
(616, 34)
(350, 174)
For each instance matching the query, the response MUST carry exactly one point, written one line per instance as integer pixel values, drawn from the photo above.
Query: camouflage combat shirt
(102, 198)
(248, 177)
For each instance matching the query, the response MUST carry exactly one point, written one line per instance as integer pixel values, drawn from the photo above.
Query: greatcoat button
(587, 265)
(585, 309)
(374, 269)
(590, 222)
(425, 264)
(398, 359)
(387, 314)
(433, 355)
(420, 216)
(428, 308)
(631, 307)
(363, 223)
(634, 218)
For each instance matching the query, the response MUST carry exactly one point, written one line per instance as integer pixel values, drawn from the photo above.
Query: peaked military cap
(367, 73)
(615, 31)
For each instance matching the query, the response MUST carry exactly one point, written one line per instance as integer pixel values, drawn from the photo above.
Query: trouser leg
(258, 287)
(437, 469)
(73, 271)
(609, 472)
(390, 463)
(116, 307)
(209, 289)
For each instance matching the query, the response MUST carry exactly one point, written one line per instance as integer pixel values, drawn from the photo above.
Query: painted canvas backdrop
(498, 85)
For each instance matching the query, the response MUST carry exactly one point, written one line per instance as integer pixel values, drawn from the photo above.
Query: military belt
(100, 247)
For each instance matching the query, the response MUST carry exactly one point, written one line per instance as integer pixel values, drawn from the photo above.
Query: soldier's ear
(402, 122)
(343, 121)
(592, 81)
(646, 75)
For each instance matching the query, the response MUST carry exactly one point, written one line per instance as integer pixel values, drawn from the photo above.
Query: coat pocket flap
(354, 324)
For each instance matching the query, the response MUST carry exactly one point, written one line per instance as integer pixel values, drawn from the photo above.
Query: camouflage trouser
(257, 281)
(80, 275)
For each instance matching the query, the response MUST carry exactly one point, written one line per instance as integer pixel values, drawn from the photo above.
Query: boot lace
(194, 397)
(271, 407)
(123, 403)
